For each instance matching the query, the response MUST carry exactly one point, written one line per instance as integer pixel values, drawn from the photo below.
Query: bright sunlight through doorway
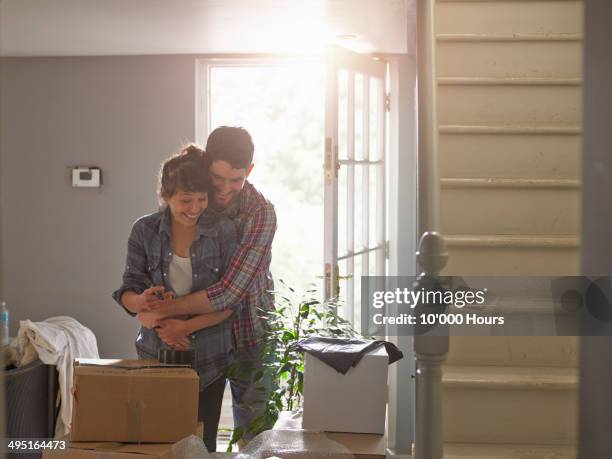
(281, 105)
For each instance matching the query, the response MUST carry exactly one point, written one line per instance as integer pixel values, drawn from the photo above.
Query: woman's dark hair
(231, 144)
(186, 171)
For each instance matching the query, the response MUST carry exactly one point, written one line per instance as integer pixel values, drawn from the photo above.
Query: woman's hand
(147, 300)
(154, 297)
(149, 319)
(174, 332)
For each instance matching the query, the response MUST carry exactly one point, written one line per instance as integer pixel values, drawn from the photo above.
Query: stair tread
(511, 377)
(509, 129)
(508, 451)
(498, 182)
(509, 81)
(488, 37)
(526, 240)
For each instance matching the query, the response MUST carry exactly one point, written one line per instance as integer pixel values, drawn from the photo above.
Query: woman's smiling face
(186, 206)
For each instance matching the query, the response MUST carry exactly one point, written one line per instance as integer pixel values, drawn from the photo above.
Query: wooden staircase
(509, 124)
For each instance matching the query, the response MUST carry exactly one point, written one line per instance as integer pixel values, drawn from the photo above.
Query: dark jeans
(209, 411)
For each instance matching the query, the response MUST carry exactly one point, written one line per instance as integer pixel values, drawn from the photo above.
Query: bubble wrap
(189, 448)
(287, 444)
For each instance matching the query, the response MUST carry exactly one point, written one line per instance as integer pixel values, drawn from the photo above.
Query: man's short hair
(231, 144)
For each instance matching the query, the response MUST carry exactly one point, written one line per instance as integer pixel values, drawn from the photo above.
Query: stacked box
(133, 409)
(133, 401)
(187, 448)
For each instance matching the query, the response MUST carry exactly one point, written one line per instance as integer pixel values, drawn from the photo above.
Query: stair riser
(510, 211)
(558, 351)
(510, 156)
(472, 451)
(506, 18)
(510, 105)
(491, 261)
(509, 59)
(480, 415)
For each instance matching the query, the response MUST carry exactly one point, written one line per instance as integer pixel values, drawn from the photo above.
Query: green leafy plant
(295, 317)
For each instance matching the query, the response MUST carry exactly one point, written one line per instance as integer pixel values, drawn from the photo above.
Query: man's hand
(171, 330)
(149, 319)
(192, 304)
(174, 332)
(182, 345)
(148, 300)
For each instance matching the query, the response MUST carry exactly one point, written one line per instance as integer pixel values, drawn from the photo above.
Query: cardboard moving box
(187, 448)
(135, 401)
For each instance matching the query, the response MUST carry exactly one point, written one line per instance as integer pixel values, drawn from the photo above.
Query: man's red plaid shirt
(247, 279)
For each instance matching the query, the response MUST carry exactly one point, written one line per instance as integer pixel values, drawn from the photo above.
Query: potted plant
(295, 317)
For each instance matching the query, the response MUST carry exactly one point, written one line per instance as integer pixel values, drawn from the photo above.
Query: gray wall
(63, 248)
(595, 358)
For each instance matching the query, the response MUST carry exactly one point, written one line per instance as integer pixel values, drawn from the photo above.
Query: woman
(176, 251)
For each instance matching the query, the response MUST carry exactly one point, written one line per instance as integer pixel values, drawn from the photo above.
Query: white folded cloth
(57, 341)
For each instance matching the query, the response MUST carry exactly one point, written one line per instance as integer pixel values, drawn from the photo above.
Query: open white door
(355, 234)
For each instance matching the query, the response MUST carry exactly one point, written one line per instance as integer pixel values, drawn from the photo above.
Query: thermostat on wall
(86, 177)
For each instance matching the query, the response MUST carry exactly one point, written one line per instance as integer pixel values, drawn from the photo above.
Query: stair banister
(430, 351)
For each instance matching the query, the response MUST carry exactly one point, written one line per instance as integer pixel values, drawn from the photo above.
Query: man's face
(227, 182)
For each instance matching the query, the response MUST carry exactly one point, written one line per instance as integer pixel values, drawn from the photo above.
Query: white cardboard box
(354, 402)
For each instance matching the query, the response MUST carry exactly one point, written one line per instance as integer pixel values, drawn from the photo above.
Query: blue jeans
(250, 397)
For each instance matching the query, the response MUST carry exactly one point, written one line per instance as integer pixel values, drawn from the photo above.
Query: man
(247, 280)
